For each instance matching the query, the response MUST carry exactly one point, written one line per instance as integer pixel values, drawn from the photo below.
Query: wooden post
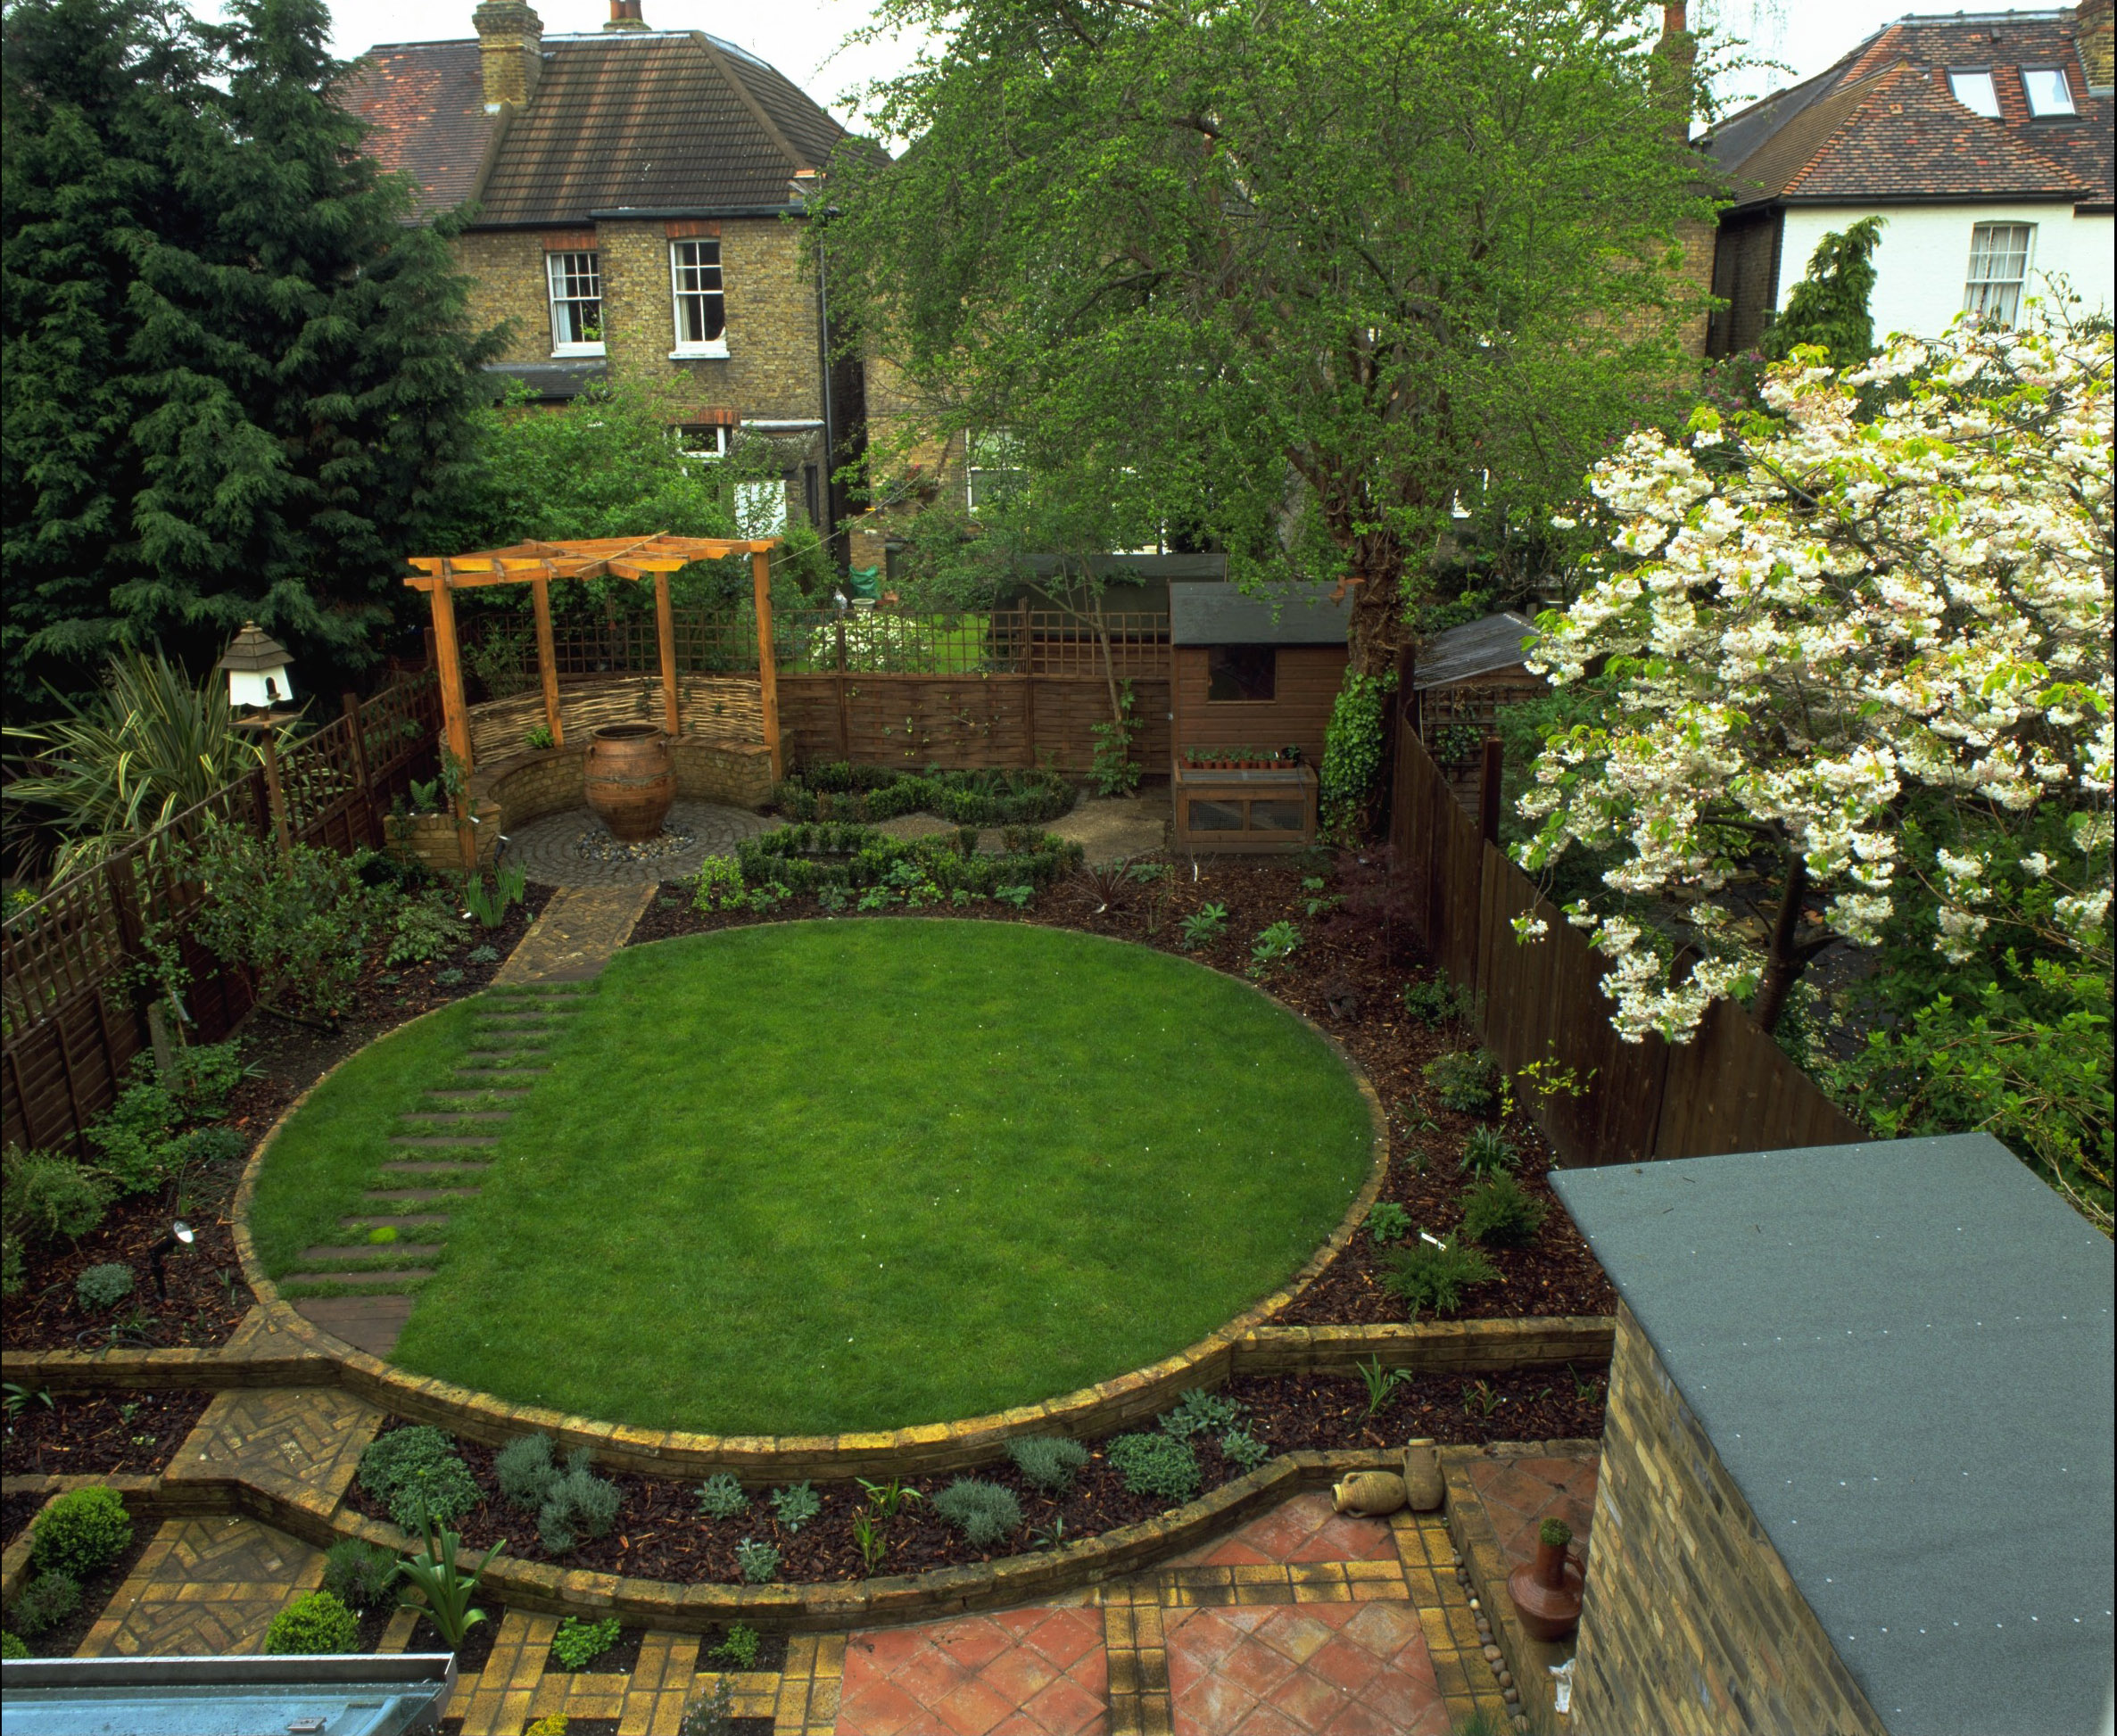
(1488, 790)
(845, 711)
(664, 629)
(760, 573)
(275, 796)
(547, 657)
(369, 824)
(455, 715)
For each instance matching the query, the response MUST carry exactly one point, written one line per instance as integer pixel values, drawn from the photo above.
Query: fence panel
(1731, 1089)
(71, 1020)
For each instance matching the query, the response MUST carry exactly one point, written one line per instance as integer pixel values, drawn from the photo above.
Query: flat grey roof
(1284, 614)
(1477, 648)
(1903, 1354)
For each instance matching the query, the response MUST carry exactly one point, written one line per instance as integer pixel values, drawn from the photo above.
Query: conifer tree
(239, 380)
(1829, 306)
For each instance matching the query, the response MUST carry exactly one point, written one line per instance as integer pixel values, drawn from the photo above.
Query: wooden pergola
(537, 564)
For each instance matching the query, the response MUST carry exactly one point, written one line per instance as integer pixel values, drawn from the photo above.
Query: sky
(804, 38)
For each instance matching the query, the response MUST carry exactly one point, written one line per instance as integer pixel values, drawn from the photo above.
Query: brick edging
(923, 1449)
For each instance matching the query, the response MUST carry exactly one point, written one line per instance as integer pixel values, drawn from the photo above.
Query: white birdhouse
(257, 670)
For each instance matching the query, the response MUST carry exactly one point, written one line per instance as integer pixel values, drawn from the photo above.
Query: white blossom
(1840, 611)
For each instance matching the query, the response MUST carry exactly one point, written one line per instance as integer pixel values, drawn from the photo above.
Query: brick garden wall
(1691, 1626)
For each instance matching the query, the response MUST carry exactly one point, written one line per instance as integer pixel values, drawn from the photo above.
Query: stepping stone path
(442, 1147)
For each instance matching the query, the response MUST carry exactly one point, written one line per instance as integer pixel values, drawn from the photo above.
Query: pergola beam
(536, 565)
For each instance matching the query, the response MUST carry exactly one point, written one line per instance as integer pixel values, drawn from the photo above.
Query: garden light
(181, 1236)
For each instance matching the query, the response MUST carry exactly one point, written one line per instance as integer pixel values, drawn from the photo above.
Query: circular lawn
(822, 1177)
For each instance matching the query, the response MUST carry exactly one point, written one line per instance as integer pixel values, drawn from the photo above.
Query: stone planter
(430, 838)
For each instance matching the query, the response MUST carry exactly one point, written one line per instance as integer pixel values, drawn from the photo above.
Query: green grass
(833, 1176)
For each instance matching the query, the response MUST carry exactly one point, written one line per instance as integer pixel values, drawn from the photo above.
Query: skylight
(1975, 92)
(2048, 93)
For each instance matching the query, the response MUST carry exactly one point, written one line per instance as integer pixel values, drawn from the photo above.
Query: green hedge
(806, 858)
(855, 793)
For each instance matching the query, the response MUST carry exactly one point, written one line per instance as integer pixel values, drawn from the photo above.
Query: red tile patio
(1301, 1530)
(1037, 1671)
(1339, 1669)
(1518, 1494)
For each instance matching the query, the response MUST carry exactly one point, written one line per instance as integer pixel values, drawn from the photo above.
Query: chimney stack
(2091, 26)
(624, 15)
(510, 51)
(1676, 70)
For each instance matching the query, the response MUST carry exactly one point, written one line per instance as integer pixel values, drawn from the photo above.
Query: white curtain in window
(1998, 266)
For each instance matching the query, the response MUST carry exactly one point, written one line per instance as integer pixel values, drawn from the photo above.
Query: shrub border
(547, 1590)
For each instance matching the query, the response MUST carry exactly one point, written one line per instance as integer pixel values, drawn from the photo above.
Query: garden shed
(1463, 675)
(1253, 676)
(1856, 1460)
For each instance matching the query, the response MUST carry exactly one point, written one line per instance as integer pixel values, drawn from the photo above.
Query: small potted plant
(1546, 1592)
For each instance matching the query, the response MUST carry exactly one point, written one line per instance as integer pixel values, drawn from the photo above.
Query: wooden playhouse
(1255, 675)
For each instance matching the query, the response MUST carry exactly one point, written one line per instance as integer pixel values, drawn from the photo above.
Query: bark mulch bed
(477, 1644)
(96, 1591)
(16, 1510)
(207, 1296)
(772, 1651)
(661, 1533)
(1356, 958)
(100, 1433)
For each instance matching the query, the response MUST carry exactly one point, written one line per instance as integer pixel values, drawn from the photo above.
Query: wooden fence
(1731, 1089)
(72, 1015)
(968, 689)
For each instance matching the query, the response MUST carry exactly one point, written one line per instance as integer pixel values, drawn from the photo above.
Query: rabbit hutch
(1253, 677)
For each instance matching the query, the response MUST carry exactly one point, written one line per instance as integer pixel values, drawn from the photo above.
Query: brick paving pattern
(204, 1588)
(575, 936)
(543, 849)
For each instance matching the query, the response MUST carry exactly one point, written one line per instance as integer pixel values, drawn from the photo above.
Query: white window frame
(562, 276)
(2066, 105)
(1996, 277)
(1970, 76)
(698, 291)
(997, 443)
(710, 441)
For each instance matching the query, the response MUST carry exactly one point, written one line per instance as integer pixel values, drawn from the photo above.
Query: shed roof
(1477, 648)
(1903, 1353)
(1284, 614)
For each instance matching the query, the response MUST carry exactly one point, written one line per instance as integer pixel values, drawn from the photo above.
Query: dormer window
(1975, 91)
(577, 281)
(2049, 92)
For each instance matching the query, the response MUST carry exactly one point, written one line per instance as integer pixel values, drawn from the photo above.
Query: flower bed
(72, 1435)
(659, 1531)
(207, 1296)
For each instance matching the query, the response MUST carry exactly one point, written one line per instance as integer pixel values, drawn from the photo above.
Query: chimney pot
(1673, 16)
(626, 16)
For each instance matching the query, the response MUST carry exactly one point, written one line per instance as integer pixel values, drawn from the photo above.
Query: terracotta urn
(1547, 1591)
(630, 780)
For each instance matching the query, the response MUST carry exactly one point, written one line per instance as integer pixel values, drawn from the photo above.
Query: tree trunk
(1785, 961)
(1378, 628)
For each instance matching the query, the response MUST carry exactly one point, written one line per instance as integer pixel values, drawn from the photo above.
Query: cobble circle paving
(545, 849)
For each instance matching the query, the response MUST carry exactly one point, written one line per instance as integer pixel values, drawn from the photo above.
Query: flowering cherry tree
(1858, 648)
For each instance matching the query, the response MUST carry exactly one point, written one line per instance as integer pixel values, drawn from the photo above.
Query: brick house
(1982, 139)
(636, 202)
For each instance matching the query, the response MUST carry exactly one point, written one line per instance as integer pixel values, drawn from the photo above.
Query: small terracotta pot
(630, 780)
(1547, 1593)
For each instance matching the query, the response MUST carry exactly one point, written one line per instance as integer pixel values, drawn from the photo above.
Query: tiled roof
(1883, 125)
(663, 121)
(426, 102)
